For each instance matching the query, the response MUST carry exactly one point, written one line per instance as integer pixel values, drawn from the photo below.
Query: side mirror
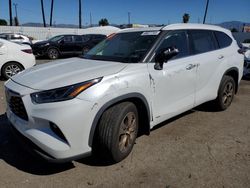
(163, 56)
(61, 41)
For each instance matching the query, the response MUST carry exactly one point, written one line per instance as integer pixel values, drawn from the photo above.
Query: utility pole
(16, 23)
(51, 12)
(129, 17)
(80, 13)
(15, 5)
(10, 12)
(90, 19)
(205, 15)
(44, 21)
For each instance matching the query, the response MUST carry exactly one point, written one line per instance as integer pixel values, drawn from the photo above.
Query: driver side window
(177, 39)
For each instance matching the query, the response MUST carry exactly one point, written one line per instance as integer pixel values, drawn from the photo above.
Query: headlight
(63, 93)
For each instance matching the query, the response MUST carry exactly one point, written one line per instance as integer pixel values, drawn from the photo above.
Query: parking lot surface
(200, 148)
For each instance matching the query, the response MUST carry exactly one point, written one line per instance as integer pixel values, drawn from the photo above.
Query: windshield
(128, 47)
(56, 38)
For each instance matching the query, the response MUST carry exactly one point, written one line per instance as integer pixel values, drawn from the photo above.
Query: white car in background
(14, 58)
(16, 37)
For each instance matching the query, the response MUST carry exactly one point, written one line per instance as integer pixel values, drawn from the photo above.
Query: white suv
(125, 85)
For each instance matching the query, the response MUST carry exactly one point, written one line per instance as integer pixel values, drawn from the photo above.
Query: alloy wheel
(127, 132)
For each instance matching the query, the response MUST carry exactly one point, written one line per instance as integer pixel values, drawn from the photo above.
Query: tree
(234, 30)
(103, 22)
(3, 22)
(185, 18)
(16, 22)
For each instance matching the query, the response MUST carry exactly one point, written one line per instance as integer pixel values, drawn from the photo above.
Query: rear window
(202, 41)
(223, 39)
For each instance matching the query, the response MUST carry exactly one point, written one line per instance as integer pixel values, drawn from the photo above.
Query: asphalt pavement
(200, 148)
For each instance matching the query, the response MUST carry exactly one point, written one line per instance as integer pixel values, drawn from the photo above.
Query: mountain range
(228, 25)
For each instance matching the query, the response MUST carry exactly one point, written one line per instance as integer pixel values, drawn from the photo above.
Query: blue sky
(142, 11)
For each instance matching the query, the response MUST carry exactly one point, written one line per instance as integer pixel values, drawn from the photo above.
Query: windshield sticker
(150, 33)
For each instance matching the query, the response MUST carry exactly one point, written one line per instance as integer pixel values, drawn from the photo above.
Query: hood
(40, 43)
(65, 72)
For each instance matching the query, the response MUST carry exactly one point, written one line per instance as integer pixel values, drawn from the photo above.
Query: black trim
(34, 149)
(112, 102)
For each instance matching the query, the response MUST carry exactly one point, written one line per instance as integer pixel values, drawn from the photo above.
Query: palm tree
(10, 11)
(103, 22)
(44, 22)
(51, 12)
(185, 18)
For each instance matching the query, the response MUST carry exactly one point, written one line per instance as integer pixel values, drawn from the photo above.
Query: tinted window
(16, 37)
(178, 40)
(223, 39)
(246, 41)
(68, 38)
(124, 47)
(4, 37)
(202, 41)
(85, 38)
(78, 38)
(99, 37)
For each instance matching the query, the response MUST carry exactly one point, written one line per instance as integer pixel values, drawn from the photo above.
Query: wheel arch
(234, 73)
(53, 47)
(143, 111)
(11, 62)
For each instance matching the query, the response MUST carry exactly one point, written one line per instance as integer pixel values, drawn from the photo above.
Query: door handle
(190, 66)
(221, 57)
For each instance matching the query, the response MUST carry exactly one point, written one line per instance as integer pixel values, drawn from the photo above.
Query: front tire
(53, 53)
(226, 93)
(10, 69)
(117, 131)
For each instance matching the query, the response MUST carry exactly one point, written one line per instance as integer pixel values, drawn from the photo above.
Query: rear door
(3, 54)
(78, 42)
(204, 49)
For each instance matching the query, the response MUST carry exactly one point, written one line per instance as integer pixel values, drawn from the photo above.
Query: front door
(173, 88)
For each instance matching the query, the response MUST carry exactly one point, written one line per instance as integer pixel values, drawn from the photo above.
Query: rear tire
(226, 93)
(10, 69)
(117, 131)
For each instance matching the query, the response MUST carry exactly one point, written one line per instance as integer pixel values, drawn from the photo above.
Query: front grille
(17, 107)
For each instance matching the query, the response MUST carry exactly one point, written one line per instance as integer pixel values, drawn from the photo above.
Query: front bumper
(73, 119)
(38, 51)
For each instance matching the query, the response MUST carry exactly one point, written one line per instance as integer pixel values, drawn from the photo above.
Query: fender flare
(226, 73)
(108, 104)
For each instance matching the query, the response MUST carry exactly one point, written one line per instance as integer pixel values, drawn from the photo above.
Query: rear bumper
(246, 71)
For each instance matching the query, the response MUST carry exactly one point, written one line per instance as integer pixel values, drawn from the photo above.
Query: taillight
(29, 51)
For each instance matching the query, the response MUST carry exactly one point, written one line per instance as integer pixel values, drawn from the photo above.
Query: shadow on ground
(15, 155)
